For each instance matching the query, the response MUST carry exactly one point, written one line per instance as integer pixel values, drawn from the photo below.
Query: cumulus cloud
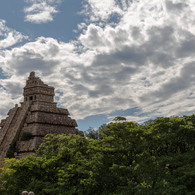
(145, 52)
(101, 11)
(6, 102)
(8, 36)
(178, 84)
(143, 58)
(41, 11)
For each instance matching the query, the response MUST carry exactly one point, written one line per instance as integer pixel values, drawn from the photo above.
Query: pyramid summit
(23, 130)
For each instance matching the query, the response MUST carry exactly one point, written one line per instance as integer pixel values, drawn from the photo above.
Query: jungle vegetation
(119, 158)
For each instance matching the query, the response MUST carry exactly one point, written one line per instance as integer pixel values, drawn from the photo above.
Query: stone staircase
(12, 127)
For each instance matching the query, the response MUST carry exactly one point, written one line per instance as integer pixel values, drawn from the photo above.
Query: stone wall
(43, 129)
(50, 118)
(49, 109)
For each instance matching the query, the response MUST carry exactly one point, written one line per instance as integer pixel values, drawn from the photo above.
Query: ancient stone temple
(23, 130)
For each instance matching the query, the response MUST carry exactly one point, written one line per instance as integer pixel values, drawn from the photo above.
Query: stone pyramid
(23, 130)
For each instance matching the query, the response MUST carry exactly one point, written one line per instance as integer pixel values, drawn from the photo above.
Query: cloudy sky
(132, 58)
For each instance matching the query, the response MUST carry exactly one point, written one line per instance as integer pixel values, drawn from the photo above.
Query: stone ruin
(23, 130)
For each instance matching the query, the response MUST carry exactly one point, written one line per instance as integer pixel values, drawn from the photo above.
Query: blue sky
(66, 20)
(105, 58)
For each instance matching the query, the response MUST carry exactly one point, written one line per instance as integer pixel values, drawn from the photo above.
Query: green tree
(92, 133)
(157, 157)
(119, 118)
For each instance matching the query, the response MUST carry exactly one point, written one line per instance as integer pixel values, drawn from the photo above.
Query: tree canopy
(157, 157)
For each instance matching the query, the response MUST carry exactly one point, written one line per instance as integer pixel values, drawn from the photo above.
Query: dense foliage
(157, 157)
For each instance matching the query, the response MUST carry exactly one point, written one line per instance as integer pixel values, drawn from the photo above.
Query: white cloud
(41, 11)
(8, 36)
(145, 60)
(6, 102)
(99, 10)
